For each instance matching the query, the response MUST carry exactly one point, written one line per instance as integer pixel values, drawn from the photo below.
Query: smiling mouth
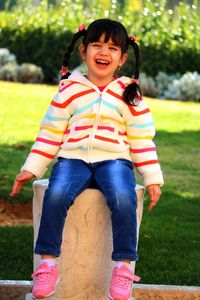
(102, 62)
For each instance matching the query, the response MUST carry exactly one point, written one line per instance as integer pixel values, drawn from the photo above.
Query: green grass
(16, 248)
(169, 236)
(22, 108)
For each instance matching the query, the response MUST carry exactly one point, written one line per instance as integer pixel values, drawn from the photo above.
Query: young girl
(99, 127)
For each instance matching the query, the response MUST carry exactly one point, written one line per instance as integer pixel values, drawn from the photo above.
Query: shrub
(184, 87)
(148, 86)
(8, 65)
(11, 71)
(29, 73)
(6, 57)
(187, 88)
(163, 81)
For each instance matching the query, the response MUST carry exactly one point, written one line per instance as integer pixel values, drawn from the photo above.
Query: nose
(103, 50)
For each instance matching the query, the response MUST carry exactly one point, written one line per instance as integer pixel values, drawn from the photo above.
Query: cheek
(88, 55)
(118, 59)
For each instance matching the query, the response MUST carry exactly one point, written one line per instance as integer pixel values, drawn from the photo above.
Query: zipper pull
(100, 99)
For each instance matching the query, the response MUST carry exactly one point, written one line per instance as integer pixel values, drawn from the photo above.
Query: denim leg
(68, 179)
(115, 178)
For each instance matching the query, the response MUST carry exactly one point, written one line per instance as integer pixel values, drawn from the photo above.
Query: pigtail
(65, 66)
(132, 92)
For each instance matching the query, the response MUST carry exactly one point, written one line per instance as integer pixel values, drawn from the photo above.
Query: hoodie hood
(77, 76)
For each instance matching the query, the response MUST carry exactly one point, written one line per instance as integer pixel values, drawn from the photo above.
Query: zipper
(95, 126)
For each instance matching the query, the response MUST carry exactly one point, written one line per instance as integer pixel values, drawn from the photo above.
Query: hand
(20, 180)
(154, 195)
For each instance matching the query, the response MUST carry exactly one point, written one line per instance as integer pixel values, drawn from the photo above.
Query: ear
(82, 51)
(123, 59)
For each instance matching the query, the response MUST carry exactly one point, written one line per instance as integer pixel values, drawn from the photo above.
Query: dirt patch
(15, 213)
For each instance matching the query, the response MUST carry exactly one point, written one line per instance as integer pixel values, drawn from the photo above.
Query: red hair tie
(133, 38)
(81, 27)
(64, 71)
(135, 80)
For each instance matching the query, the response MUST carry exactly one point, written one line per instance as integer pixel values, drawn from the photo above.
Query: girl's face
(102, 60)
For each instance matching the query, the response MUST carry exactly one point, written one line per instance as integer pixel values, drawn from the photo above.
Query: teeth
(102, 62)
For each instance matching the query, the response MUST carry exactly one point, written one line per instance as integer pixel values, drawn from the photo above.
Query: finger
(154, 194)
(151, 194)
(156, 197)
(19, 182)
(153, 200)
(16, 187)
(151, 205)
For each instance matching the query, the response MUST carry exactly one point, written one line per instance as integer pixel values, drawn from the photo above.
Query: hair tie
(135, 80)
(133, 38)
(81, 27)
(64, 71)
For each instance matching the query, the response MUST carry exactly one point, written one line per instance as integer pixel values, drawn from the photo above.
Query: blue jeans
(69, 177)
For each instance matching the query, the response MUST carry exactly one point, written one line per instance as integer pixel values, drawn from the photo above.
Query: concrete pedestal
(85, 263)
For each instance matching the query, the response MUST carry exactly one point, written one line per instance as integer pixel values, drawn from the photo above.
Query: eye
(96, 45)
(114, 48)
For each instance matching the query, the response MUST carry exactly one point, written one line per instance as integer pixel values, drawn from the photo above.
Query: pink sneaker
(121, 283)
(45, 280)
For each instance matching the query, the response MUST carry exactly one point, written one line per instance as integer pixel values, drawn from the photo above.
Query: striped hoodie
(84, 123)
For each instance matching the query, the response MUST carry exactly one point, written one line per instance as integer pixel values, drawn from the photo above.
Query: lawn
(169, 237)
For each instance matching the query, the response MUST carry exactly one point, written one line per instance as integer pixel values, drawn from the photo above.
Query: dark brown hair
(117, 32)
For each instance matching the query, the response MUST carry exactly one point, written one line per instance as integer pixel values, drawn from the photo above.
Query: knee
(124, 201)
(55, 198)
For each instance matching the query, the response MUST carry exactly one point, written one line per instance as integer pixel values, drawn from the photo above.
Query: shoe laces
(43, 277)
(123, 279)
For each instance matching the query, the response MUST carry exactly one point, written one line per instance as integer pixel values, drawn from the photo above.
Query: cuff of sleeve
(153, 178)
(36, 165)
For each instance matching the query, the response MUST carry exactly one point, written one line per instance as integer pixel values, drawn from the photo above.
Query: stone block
(85, 263)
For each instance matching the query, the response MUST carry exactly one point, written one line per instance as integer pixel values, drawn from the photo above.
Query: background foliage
(169, 38)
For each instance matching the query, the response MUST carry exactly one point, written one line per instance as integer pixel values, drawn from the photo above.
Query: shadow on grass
(184, 138)
(16, 252)
(169, 241)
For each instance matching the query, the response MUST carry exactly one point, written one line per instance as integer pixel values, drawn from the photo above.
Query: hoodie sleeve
(140, 132)
(49, 139)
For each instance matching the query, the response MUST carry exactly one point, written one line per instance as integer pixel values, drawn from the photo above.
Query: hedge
(42, 47)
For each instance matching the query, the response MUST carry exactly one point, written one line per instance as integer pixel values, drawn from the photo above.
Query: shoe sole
(111, 298)
(50, 294)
